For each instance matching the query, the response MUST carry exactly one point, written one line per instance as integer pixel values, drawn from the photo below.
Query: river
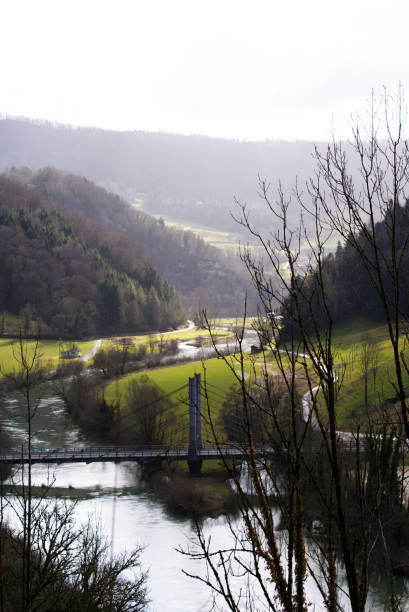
(110, 491)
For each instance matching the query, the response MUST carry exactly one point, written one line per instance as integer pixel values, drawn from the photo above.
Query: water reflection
(104, 490)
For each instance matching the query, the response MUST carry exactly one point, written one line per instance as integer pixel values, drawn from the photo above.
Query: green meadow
(227, 241)
(191, 334)
(217, 379)
(168, 379)
(233, 322)
(47, 351)
(348, 342)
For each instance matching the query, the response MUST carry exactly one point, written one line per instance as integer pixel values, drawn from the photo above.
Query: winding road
(307, 398)
(93, 351)
(190, 326)
(97, 343)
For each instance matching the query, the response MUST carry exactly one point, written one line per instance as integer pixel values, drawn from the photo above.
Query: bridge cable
(215, 394)
(158, 399)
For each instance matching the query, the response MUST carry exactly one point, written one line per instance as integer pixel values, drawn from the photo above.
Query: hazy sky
(249, 70)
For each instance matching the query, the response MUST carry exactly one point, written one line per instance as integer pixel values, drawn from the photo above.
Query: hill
(69, 273)
(200, 272)
(192, 178)
(365, 277)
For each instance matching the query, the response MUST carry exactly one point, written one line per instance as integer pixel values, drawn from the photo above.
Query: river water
(129, 512)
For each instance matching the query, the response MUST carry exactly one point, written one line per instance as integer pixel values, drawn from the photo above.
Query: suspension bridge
(192, 449)
(188, 447)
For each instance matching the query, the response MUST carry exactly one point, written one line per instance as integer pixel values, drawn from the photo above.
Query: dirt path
(190, 326)
(93, 351)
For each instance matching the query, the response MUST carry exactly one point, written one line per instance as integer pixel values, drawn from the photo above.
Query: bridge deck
(90, 454)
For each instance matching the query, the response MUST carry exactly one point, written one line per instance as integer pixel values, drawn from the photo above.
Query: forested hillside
(200, 272)
(188, 177)
(350, 275)
(67, 272)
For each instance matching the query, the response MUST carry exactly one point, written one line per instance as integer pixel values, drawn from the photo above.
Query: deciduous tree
(321, 479)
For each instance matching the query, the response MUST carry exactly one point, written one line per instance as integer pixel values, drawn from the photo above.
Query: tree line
(73, 277)
(351, 289)
(170, 169)
(48, 561)
(322, 505)
(199, 271)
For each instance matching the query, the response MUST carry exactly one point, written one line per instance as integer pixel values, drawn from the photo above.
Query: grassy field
(217, 380)
(218, 377)
(227, 241)
(191, 334)
(348, 342)
(168, 379)
(233, 322)
(48, 352)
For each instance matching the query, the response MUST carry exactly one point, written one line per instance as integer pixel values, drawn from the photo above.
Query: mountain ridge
(73, 276)
(199, 271)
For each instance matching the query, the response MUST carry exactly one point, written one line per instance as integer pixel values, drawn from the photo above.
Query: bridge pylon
(195, 424)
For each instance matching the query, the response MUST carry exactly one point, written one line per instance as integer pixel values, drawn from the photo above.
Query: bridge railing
(99, 449)
(82, 449)
(83, 453)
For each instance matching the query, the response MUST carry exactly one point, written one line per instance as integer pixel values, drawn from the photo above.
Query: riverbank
(206, 495)
(130, 513)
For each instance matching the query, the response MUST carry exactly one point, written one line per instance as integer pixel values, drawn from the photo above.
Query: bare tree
(368, 363)
(354, 212)
(322, 479)
(148, 414)
(48, 562)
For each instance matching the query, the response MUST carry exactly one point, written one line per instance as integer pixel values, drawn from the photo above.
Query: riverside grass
(170, 378)
(48, 352)
(218, 377)
(348, 340)
(191, 334)
(216, 371)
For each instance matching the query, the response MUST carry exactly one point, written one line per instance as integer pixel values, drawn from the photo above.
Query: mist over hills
(187, 177)
(201, 273)
(73, 277)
